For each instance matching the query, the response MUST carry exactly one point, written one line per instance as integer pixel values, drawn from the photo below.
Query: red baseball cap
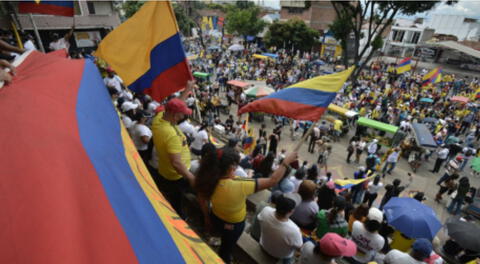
(176, 105)
(333, 245)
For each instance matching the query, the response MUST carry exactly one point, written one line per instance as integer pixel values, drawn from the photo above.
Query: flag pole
(35, 29)
(309, 131)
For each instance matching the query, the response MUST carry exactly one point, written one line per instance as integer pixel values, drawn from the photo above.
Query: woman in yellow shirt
(216, 183)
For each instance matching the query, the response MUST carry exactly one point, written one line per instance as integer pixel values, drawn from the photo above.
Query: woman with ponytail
(217, 185)
(332, 220)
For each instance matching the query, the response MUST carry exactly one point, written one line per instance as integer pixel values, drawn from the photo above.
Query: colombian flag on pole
(59, 8)
(404, 65)
(305, 100)
(433, 76)
(74, 188)
(147, 53)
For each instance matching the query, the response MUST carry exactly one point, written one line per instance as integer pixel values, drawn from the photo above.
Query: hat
(375, 140)
(127, 106)
(330, 185)
(177, 106)
(459, 158)
(295, 197)
(422, 246)
(334, 245)
(375, 215)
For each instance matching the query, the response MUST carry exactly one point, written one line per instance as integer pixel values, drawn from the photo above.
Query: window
(91, 7)
(415, 37)
(295, 10)
(397, 35)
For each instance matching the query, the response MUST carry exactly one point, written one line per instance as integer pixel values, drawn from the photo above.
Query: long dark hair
(213, 166)
(265, 167)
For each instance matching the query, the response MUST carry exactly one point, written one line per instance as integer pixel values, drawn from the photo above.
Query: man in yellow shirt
(173, 152)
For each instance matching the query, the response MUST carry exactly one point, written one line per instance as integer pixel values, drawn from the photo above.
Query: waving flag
(305, 100)
(349, 183)
(404, 65)
(59, 8)
(434, 76)
(74, 188)
(147, 53)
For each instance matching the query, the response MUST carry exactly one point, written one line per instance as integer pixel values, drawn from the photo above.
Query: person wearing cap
(129, 110)
(421, 249)
(141, 135)
(331, 246)
(332, 220)
(172, 150)
(366, 236)
(280, 236)
(113, 81)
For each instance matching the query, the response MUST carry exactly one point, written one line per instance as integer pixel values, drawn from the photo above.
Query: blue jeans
(457, 204)
(392, 166)
(443, 178)
(230, 233)
(464, 163)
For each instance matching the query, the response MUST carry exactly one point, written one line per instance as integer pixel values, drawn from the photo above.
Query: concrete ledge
(248, 250)
(256, 198)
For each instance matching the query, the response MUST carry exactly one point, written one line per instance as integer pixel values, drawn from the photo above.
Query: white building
(404, 37)
(460, 26)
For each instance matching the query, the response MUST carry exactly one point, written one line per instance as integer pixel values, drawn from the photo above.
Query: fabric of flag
(249, 142)
(214, 141)
(404, 65)
(434, 76)
(147, 53)
(58, 8)
(305, 100)
(349, 183)
(74, 188)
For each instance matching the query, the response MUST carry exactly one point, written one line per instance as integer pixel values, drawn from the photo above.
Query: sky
(468, 8)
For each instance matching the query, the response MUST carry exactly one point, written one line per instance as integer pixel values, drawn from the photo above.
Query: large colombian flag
(305, 100)
(73, 187)
(404, 65)
(147, 53)
(59, 8)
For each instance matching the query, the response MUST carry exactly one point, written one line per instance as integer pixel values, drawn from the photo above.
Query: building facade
(92, 21)
(405, 37)
(316, 14)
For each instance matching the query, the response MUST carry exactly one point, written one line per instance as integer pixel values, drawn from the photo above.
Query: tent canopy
(423, 136)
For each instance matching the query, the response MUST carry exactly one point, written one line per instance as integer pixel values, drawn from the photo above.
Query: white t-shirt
(114, 82)
(280, 239)
(399, 257)
(309, 257)
(139, 131)
(127, 121)
(59, 44)
(199, 139)
(368, 244)
(305, 213)
(28, 45)
(374, 188)
(187, 128)
(190, 101)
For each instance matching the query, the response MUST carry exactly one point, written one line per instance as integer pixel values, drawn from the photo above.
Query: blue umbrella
(412, 218)
(319, 62)
(426, 100)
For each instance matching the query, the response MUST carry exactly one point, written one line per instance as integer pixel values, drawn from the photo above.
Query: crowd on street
(309, 217)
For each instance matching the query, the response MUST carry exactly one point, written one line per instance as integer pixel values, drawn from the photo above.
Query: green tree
(369, 19)
(131, 7)
(291, 34)
(244, 22)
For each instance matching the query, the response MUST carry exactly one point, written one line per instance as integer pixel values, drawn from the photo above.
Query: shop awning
(458, 47)
(377, 125)
(423, 136)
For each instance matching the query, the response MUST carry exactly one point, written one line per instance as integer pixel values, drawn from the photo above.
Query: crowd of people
(308, 218)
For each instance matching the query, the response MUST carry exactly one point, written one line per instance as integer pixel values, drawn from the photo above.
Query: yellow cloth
(169, 139)
(400, 242)
(229, 200)
(337, 125)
